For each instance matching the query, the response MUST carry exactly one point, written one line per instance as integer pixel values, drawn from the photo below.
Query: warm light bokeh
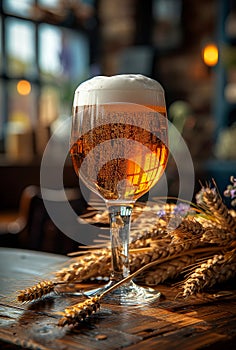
(23, 87)
(210, 54)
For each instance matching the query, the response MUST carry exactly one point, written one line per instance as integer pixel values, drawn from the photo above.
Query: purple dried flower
(161, 213)
(233, 193)
(181, 209)
(231, 190)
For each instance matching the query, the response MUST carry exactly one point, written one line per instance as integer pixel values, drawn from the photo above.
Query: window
(42, 60)
(20, 48)
(49, 50)
(20, 7)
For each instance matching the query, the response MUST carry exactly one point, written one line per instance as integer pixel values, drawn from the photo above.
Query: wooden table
(206, 322)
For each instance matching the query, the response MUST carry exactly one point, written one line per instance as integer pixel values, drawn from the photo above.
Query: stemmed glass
(119, 150)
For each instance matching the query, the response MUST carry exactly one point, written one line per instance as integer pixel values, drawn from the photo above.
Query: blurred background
(48, 47)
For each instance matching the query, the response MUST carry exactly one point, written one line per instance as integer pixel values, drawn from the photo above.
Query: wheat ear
(37, 291)
(213, 202)
(215, 270)
(168, 270)
(217, 236)
(98, 264)
(79, 312)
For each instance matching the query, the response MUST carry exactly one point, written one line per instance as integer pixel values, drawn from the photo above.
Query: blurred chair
(32, 227)
(15, 222)
(42, 233)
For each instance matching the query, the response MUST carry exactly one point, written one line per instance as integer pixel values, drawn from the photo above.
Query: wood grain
(204, 322)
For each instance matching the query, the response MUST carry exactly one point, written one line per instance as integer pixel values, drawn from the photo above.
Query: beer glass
(119, 150)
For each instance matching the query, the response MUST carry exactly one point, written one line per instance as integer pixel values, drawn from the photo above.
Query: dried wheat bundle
(80, 311)
(98, 263)
(211, 229)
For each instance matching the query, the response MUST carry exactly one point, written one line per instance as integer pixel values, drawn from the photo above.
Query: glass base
(127, 294)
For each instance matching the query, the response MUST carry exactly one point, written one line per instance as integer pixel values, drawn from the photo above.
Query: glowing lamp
(23, 87)
(210, 55)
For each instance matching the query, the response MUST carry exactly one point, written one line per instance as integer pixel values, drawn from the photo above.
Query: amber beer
(134, 147)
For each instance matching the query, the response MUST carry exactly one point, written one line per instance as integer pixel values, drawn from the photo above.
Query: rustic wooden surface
(205, 322)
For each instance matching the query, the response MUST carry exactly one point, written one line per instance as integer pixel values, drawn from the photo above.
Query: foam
(133, 88)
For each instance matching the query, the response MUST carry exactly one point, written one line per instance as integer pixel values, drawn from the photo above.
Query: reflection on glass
(20, 47)
(20, 7)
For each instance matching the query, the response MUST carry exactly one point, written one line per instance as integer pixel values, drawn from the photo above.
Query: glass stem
(120, 217)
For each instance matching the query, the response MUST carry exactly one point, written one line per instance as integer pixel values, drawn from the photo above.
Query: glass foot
(127, 294)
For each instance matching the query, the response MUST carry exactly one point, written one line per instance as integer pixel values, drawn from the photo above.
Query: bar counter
(207, 321)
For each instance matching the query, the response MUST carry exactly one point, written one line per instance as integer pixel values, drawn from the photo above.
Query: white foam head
(127, 88)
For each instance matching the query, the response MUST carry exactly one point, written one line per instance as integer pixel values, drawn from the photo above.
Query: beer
(131, 152)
